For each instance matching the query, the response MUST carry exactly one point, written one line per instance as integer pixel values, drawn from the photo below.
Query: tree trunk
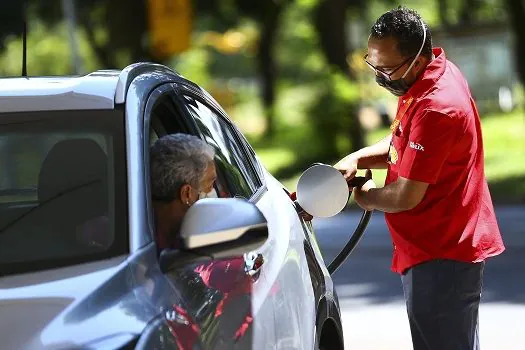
(103, 55)
(267, 65)
(356, 132)
(330, 21)
(126, 31)
(443, 17)
(468, 11)
(516, 13)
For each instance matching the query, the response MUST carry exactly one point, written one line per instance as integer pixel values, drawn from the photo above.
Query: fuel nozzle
(356, 181)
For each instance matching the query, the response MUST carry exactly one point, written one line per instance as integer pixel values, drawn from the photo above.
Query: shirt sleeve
(432, 137)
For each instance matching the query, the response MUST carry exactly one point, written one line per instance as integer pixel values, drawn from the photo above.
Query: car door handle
(253, 263)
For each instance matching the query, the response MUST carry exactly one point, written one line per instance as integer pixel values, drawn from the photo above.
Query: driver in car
(182, 171)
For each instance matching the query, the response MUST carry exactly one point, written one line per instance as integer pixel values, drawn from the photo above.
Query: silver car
(79, 266)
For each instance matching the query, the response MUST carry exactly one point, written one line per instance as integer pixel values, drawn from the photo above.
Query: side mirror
(212, 221)
(218, 227)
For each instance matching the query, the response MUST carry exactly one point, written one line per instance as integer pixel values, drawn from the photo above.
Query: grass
(504, 148)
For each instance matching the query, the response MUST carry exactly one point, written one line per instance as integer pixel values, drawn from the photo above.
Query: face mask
(211, 194)
(399, 87)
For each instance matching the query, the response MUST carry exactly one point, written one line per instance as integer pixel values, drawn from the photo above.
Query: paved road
(371, 296)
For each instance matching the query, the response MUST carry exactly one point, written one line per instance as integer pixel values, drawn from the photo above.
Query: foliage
(299, 55)
(48, 52)
(331, 116)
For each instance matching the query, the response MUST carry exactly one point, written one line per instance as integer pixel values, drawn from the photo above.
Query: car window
(231, 160)
(21, 157)
(255, 170)
(62, 188)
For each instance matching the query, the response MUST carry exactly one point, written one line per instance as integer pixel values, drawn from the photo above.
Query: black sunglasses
(385, 74)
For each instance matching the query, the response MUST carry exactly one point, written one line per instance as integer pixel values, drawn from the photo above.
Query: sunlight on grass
(504, 146)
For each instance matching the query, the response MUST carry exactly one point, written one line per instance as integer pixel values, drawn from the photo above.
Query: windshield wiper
(40, 205)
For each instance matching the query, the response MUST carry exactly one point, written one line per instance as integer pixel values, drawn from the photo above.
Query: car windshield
(62, 189)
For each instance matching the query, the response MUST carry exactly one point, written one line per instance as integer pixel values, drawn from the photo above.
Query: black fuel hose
(356, 181)
(352, 243)
(356, 236)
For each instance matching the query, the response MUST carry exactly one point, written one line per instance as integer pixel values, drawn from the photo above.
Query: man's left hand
(360, 193)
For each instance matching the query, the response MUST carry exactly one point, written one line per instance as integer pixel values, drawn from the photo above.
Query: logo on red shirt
(416, 146)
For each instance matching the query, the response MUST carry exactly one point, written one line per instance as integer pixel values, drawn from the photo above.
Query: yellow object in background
(170, 24)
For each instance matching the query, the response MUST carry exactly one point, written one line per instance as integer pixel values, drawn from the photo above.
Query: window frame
(251, 168)
(162, 91)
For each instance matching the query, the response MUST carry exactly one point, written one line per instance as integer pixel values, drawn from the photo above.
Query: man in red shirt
(436, 200)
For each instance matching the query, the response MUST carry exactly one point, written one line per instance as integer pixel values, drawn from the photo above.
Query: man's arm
(375, 156)
(402, 194)
(436, 134)
(371, 157)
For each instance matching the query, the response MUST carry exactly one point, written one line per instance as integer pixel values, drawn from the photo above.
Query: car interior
(66, 213)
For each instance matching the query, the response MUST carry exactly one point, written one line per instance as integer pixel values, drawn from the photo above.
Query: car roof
(98, 90)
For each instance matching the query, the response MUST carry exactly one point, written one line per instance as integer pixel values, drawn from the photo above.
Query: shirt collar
(433, 71)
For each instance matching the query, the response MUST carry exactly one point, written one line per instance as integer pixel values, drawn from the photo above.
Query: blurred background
(290, 73)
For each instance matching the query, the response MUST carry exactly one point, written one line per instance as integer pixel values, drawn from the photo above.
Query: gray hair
(176, 160)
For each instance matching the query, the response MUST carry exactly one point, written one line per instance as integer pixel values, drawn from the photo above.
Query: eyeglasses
(382, 72)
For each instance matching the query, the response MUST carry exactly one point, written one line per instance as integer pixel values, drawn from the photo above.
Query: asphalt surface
(371, 296)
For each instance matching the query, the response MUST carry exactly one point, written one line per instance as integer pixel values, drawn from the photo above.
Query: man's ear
(418, 66)
(421, 62)
(185, 194)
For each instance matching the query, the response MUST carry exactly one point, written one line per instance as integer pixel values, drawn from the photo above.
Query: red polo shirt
(439, 142)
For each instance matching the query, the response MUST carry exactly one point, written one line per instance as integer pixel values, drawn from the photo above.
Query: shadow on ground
(510, 190)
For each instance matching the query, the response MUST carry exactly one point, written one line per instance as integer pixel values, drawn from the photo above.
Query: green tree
(48, 52)
(516, 13)
(116, 30)
(267, 14)
(331, 18)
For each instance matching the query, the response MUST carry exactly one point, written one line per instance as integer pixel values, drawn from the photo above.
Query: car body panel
(136, 101)
(294, 303)
(127, 77)
(283, 304)
(31, 304)
(94, 91)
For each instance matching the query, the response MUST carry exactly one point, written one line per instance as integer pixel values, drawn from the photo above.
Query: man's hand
(347, 166)
(360, 192)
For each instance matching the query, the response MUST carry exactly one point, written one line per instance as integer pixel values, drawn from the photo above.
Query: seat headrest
(70, 165)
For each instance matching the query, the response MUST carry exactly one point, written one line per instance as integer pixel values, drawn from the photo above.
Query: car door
(283, 300)
(235, 180)
(296, 313)
(215, 294)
